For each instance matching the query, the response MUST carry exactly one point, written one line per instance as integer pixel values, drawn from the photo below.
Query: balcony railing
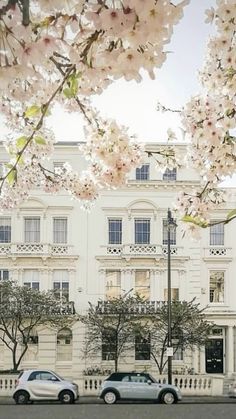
(147, 307)
(141, 250)
(32, 249)
(218, 251)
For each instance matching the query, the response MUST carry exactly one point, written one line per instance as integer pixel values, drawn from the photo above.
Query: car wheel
(66, 397)
(168, 397)
(110, 397)
(21, 397)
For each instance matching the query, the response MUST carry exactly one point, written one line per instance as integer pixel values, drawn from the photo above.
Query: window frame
(118, 233)
(222, 296)
(143, 173)
(170, 174)
(36, 233)
(114, 287)
(144, 235)
(139, 345)
(6, 234)
(61, 232)
(216, 236)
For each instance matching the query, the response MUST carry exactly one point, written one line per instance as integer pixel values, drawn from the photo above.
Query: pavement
(185, 400)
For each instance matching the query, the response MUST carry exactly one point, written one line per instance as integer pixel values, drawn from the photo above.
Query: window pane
(108, 345)
(142, 173)
(61, 284)
(217, 235)
(59, 230)
(142, 348)
(5, 229)
(115, 231)
(174, 294)
(113, 284)
(32, 230)
(170, 174)
(216, 288)
(165, 233)
(142, 284)
(4, 274)
(142, 231)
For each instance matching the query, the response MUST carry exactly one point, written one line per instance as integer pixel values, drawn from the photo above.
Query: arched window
(64, 344)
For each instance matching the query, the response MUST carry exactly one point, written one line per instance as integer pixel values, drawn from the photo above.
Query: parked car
(44, 385)
(232, 389)
(137, 386)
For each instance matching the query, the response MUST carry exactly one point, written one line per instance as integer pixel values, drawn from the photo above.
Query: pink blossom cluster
(210, 118)
(65, 51)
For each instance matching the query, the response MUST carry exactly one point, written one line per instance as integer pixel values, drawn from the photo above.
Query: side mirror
(149, 382)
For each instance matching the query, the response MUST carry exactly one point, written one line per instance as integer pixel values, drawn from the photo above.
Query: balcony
(128, 250)
(33, 249)
(148, 307)
(215, 252)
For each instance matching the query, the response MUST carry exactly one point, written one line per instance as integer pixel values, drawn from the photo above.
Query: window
(61, 285)
(108, 344)
(113, 284)
(32, 230)
(216, 286)
(142, 231)
(174, 294)
(115, 231)
(142, 284)
(170, 174)
(4, 274)
(217, 235)
(64, 345)
(31, 279)
(142, 348)
(142, 173)
(58, 167)
(60, 230)
(178, 354)
(172, 228)
(5, 229)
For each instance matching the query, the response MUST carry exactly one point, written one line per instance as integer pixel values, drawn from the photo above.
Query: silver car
(137, 386)
(44, 385)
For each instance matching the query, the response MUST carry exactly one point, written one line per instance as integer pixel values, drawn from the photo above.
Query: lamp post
(170, 223)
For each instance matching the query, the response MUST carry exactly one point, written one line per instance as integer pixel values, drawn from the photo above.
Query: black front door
(214, 356)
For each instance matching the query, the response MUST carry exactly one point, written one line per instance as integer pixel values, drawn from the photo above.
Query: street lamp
(170, 224)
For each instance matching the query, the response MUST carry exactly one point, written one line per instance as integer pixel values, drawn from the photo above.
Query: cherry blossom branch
(44, 111)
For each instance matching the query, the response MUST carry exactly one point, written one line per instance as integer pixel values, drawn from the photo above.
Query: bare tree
(111, 327)
(21, 310)
(189, 329)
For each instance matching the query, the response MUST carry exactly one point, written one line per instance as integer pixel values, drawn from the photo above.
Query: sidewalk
(186, 399)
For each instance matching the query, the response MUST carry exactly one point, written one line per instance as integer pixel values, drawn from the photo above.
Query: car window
(138, 379)
(42, 375)
(125, 378)
(45, 375)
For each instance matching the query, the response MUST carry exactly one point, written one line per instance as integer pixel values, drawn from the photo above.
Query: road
(86, 409)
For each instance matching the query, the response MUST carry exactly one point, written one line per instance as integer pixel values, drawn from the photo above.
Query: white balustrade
(7, 384)
(218, 251)
(190, 385)
(35, 248)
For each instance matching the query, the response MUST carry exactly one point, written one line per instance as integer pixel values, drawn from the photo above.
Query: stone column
(202, 360)
(154, 285)
(229, 350)
(102, 283)
(195, 360)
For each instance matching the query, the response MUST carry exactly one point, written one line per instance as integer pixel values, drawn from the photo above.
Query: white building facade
(119, 247)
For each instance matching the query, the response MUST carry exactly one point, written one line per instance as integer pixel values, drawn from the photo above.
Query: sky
(135, 104)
